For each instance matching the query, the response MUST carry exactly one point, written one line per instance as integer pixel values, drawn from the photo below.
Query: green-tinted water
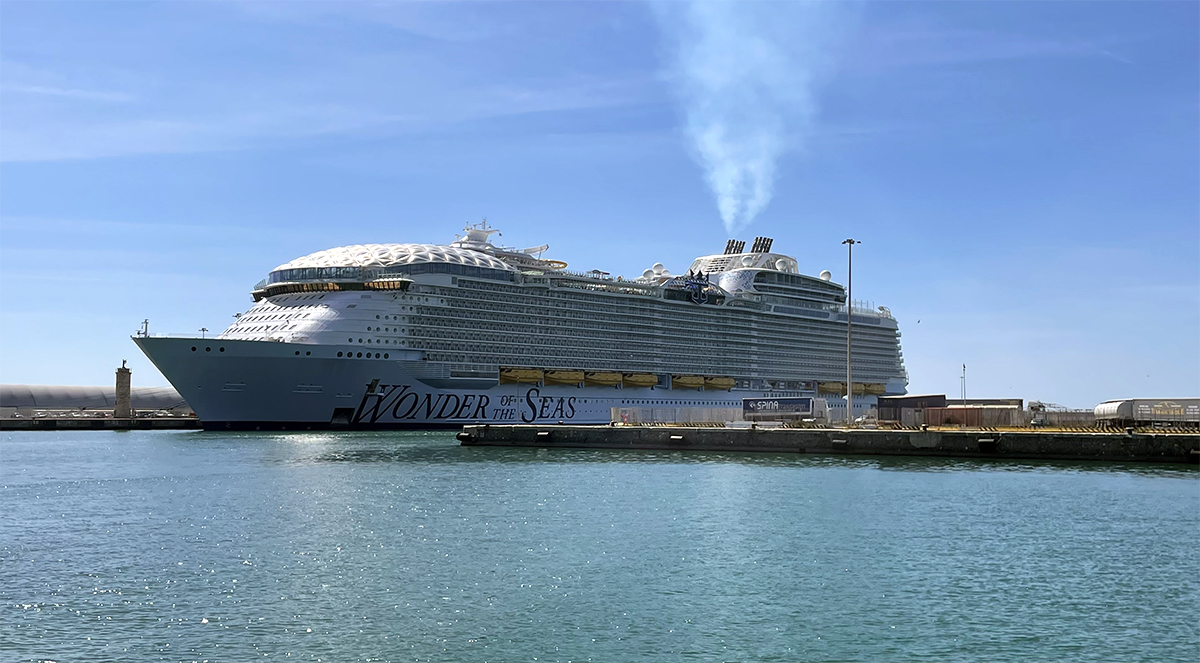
(407, 547)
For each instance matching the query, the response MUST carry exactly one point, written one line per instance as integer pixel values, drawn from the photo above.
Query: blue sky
(1024, 176)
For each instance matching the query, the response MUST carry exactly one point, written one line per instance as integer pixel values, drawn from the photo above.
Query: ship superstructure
(417, 334)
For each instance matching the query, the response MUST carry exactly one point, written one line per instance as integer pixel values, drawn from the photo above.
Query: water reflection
(438, 447)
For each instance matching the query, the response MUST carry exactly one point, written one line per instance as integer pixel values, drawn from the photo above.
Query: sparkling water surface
(182, 546)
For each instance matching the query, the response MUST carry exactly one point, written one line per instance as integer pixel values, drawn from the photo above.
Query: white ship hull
(252, 385)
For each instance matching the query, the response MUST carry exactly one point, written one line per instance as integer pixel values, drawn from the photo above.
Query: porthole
(360, 355)
(297, 353)
(360, 340)
(308, 353)
(339, 354)
(193, 348)
(385, 355)
(376, 317)
(377, 355)
(349, 340)
(208, 349)
(222, 349)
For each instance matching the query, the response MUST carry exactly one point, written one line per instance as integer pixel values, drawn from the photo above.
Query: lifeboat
(602, 379)
(831, 388)
(876, 389)
(687, 381)
(564, 377)
(640, 379)
(526, 375)
(716, 382)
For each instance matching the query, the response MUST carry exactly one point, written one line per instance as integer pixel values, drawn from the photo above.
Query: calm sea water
(406, 547)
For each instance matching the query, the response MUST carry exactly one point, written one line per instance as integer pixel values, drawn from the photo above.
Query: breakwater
(1169, 447)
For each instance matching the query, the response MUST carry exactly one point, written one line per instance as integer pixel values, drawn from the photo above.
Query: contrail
(744, 72)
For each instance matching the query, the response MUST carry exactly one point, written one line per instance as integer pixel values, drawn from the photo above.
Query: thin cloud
(288, 115)
(893, 48)
(93, 95)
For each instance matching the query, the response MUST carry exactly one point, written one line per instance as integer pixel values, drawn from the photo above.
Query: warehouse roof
(99, 398)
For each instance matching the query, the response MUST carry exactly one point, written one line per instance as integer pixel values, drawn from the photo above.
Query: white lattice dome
(387, 255)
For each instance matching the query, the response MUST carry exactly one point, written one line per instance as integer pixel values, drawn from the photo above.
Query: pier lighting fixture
(849, 314)
(203, 330)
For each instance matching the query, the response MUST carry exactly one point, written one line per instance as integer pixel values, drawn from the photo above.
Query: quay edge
(89, 423)
(1024, 445)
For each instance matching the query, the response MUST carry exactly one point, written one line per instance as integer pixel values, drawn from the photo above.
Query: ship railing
(864, 307)
(608, 285)
(594, 274)
(491, 369)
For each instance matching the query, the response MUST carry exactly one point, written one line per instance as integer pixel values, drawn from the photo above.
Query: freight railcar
(1140, 411)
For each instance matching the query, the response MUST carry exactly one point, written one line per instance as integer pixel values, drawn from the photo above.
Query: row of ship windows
(498, 346)
(307, 353)
(797, 358)
(270, 317)
(606, 303)
(831, 371)
(713, 323)
(690, 343)
(359, 355)
(635, 317)
(641, 327)
(805, 294)
(377, 341)
(632, 343)
(867, 367)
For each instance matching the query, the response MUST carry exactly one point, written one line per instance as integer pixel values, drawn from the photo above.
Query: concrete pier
(100, 423)
(1160, 447)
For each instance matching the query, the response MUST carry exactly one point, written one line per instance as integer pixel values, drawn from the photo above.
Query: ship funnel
(761, 245)
(733, 247)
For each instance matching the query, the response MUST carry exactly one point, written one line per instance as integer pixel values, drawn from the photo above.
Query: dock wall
(1056, 445)
(96, 423)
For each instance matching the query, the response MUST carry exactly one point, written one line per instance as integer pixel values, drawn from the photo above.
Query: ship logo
(697, 284)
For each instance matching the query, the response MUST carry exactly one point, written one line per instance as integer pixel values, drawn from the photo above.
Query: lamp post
(849, 313)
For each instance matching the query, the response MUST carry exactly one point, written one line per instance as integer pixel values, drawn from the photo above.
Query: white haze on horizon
(744, 73)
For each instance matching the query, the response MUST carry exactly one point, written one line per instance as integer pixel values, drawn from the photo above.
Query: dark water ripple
(406, 547)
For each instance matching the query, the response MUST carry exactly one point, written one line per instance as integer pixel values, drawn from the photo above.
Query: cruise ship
(380, 336)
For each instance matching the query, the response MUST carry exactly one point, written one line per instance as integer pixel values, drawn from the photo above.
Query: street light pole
(849, 313)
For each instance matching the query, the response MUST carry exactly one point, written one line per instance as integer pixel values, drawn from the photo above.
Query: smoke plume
(744, 73)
